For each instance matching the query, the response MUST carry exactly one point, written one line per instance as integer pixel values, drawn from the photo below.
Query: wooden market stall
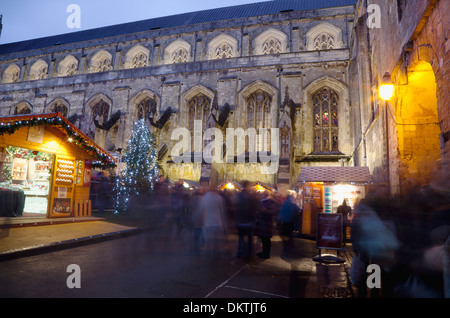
(323, 189)
(261, 187)
(229, 185)
(50, 161)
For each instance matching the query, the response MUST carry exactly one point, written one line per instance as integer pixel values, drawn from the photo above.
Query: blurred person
(212, 207)
(374, 241)
(102, 192)
(161, 197)
(246, 208)
(197, 219)
(286, 220)
(424, 229)
(177, 202)
(264, 224)
(346, 212)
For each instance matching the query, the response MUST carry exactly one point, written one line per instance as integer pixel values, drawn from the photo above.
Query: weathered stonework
(405, 139)
(227, 62)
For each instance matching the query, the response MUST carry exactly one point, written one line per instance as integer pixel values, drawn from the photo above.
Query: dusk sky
(30, 19)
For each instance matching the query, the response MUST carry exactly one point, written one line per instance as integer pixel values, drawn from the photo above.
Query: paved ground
(20, 238)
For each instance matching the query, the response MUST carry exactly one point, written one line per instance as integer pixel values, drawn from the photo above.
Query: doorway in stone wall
(417, 126)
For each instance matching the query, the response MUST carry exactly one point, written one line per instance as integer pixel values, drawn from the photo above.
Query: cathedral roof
(335, 174)
(179, 20)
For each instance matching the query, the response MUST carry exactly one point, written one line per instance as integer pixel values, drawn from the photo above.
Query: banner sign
(329, 231)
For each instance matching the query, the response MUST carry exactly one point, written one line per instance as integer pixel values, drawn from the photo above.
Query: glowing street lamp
(386, 89)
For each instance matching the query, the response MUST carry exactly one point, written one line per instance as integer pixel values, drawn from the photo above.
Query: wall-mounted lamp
(386, 89)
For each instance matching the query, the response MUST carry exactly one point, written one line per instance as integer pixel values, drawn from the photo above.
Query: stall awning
(335, 174)
(10, 124)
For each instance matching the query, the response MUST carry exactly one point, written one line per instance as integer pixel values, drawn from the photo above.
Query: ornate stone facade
(286, 70)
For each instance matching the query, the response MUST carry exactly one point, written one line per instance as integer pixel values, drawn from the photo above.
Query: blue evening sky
(30, 19)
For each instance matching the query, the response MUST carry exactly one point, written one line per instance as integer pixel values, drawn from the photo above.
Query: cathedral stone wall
(107, 84)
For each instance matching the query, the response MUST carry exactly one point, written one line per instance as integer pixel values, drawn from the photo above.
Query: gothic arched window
(140, 60)
(271, 46)
(22, 109)
(325, 125)
(146, 108)
(59, 107)
(324, 42)
(224, 51)
(180, 56)
(100, 112)
(199, 109)
(258, 115)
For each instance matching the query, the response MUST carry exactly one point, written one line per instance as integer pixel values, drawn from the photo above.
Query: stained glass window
(325, 120)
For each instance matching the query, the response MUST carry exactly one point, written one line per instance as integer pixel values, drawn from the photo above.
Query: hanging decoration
(103, 160)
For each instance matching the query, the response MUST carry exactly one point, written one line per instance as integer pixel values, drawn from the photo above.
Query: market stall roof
(9, 124)
(260, 186)
(227, 184)
(335, 174)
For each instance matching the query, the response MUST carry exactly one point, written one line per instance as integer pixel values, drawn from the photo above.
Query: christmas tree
(140, 159)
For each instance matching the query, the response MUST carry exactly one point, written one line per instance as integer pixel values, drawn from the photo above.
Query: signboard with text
(329, 231)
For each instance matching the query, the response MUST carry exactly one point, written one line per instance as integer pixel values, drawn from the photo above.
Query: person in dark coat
(245, 220)
(286, 219)
(264, 224)
(346, 212)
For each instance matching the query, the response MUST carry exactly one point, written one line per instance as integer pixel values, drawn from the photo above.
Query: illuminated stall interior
(229, 185)
(323, 189)
(45, 166)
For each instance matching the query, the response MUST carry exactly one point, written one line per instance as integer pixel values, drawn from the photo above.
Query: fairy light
(140, 166)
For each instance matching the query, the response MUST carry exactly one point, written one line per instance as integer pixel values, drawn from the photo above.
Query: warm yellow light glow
(70, 139)
(229, 186)
(386, 91)
(259, 188)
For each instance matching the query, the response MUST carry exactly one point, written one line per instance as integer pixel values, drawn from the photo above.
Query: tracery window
(224, 51)
(324, 42)
(199, 109)
(258, 115)
(71, 69)
(284, 138)
(272, 46)
(104, 65)
(180, 56)
(146, 108)
(326, 125)
(22, 109)
(140, 60)
(58, 107)
(15, 76)
(100, 112)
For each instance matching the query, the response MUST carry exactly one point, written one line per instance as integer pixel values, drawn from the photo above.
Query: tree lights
(141, 166)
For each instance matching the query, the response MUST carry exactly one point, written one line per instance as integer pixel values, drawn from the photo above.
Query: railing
(82, 208)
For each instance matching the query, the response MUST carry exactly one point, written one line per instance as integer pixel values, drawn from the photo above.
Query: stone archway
(417, 126)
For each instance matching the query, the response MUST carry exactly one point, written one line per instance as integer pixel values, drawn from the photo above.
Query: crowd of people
(408, 237)
(212, 215)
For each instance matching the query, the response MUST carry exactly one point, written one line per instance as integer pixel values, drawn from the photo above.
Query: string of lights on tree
(103, 160)
(141, 167)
